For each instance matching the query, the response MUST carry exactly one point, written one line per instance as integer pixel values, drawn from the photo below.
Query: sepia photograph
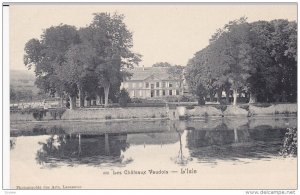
(152, 96)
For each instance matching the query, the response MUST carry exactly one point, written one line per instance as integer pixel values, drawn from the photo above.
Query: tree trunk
(72, 102)
(106, 92)
(79, 145)
(236, 138)
(81, 98)
(98, 100)
(101, 100)
(252, 98)
(61, 102)
(234, 97)
(227, 96)
(219, 94)
(88, 103)
(106, 144)
(211, 96)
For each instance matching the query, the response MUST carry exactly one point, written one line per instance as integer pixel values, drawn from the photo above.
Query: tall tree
(48, 54)
(258, 58)
(112, 42)
(78, 70)
(234, 52)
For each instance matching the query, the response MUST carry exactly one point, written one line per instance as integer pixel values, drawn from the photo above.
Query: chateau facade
(152, 82)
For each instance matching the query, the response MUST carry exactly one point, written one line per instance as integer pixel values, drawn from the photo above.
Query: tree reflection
(95, 150)
(180, 159)
(12, 143)
(233, 144)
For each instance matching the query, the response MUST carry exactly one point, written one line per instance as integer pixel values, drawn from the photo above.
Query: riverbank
(93, 127)
(181, 112)
(243, 110)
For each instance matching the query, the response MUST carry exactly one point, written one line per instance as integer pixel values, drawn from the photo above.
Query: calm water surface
(120, 144)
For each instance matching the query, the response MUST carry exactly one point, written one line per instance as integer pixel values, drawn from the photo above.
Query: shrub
(38, 114)
(185, 98)
(190, 107)
(162, 115)
(107, 117)
(201, 93)
(136, 100)
(289, 147)
(56, 113)
(222, 106)
(124, 98)
(201, 101)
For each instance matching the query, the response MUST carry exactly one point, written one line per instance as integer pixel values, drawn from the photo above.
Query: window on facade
(157, 84)
(152, 93)
(170, 85)
(170, 92)
(152, 86)
(157, 92)
(163, 92)
(177, 92)
(133, 85)
(164, 84)
(147, 85)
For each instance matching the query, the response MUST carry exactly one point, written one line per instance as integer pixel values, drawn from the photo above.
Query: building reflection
(202, 140)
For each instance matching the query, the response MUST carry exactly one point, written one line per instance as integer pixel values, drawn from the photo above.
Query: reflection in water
(234, 144)
(181, 159)
(83, 149)
(12, 143)
(107, 144)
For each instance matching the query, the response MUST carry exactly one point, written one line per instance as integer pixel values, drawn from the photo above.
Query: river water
(226, 153)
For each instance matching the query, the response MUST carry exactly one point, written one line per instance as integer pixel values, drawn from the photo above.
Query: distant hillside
(23, 80)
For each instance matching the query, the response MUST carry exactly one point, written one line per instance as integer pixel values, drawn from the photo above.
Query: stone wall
(115, 113)
(162, 112)
(273, 109)
(239, 110)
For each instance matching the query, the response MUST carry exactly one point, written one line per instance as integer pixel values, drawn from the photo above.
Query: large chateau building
(153, 82)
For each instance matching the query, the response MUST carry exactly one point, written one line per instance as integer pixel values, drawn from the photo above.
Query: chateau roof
(140, 73)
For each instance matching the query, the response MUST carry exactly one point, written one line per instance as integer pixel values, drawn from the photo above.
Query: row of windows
(155, 93)
(151, 85)
(157, 85)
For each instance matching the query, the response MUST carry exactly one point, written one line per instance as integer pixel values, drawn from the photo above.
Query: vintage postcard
(153, 96)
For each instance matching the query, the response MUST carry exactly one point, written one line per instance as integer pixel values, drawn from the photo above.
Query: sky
(161, 32)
